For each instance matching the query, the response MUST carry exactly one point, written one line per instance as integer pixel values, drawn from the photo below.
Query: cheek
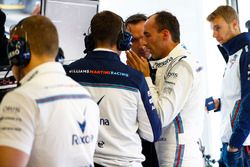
(221, 34)
(224, 33)
(150, 41)
(155, 42)
(134, 46)
(228, 35)
(215, 33)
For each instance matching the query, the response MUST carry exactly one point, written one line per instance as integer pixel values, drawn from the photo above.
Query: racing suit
(178, 95)
(51, 118)
(126, 107)
(235, 97)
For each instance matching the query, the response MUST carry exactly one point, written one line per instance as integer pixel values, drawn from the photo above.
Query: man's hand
(139, 63)
(232, 149)
(12, 157)
(217, 104)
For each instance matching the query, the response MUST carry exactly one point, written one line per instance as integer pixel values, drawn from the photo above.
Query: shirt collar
(236, 43)
(103, 49)
(99, 53)
(49, 67)
(176, 52)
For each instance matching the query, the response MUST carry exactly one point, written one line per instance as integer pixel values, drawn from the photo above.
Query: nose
(141, 41)
(215, 34)
(144, 41)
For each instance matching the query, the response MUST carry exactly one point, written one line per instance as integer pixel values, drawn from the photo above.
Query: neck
(37, 60)
(170, 47)
(107, 46)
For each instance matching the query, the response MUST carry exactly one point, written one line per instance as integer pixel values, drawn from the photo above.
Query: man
(177, 93)
(126, 108)
(135, 25)
(49, 120)
(234, 102)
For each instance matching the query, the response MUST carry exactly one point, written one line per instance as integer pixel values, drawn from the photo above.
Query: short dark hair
(165, 20)
(105, 27)
(134, 19)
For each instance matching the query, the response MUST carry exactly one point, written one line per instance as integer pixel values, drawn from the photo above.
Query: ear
(165, 34)
(128, 28)
(235, 25)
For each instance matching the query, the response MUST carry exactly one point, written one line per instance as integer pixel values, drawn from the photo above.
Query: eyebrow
(216, 26)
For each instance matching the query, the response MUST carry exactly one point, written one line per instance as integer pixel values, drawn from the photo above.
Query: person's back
(49, 120)
(126, 112)
(115, 87)
(57, 111)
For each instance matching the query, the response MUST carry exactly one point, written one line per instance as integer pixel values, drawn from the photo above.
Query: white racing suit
(178, 95)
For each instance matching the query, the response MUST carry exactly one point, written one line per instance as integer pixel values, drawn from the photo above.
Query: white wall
(197, 36)
(71, 25)
(215, 68)
(244, 13)
(186, 13)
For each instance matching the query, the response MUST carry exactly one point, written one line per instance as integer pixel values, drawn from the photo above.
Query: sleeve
(17, 122)
(242, 127)
(176, 89)
(149, 121)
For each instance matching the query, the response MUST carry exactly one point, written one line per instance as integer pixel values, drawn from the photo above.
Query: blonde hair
(40, 33)
(226, 12)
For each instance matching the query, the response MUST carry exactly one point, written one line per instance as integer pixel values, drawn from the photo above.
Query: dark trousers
(240, 158)
(148, 150)
(97, 165)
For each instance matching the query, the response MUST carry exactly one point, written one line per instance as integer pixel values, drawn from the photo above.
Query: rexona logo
(82, 126)
(82, 139)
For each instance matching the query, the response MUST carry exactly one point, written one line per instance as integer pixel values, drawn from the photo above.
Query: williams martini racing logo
(97, 72)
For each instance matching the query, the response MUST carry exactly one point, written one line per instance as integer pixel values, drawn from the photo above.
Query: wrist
(232, 149)
(146, 74)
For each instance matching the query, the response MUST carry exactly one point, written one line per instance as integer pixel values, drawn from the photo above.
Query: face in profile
(153, 38)
(222, 31)
(138, 41)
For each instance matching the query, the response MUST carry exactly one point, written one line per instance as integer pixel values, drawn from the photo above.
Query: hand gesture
(139, 63)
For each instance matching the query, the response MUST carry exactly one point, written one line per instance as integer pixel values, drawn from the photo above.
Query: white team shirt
(51, 118)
